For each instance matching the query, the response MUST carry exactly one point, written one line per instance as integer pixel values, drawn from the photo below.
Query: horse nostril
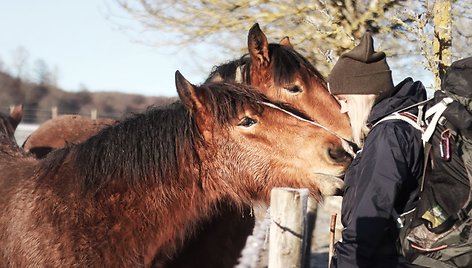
(339, 192)
(339, 155)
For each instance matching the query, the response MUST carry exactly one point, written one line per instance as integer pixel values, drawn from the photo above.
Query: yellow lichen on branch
(442, 41)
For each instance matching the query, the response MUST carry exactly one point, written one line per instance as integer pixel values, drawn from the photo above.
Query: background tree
(321, 30)
(20, 57)
(42, 75)
(442, 41)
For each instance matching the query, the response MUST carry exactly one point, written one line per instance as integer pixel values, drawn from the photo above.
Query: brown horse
(280, 72)
(276, 70)
(61, 131)
(138, 188)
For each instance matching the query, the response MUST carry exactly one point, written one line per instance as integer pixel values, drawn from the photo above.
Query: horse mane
(227, 70)
(285, 61)
(156, 146)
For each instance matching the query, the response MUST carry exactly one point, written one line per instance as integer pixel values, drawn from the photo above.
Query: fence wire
(255, 243)
(38, 116)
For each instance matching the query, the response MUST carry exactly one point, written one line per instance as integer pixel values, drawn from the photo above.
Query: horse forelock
(286, 62)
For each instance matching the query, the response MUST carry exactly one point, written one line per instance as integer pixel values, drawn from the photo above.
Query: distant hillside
(38, 99)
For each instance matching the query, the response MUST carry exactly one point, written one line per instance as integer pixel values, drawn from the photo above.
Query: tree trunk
(442, 41)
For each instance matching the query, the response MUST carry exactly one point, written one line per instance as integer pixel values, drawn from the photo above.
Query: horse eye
(294, 89)
(247, 122)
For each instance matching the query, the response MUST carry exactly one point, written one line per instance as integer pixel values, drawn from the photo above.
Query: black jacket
(383, 177)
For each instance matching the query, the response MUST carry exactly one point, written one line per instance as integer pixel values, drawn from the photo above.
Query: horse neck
(162, 214)
(166, 180)
(172, 219)
(167, 199)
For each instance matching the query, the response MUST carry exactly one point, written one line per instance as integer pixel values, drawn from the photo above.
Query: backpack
(438, 231)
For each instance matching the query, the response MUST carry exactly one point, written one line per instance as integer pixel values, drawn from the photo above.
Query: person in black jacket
(382, 181)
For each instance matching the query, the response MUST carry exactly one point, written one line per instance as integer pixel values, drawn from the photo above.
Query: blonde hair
(360, 106)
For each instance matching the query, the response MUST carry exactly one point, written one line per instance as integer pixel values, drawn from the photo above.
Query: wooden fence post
(54, 112)
(288, 230)
(311, 215)
(332, 237)
(93, 114)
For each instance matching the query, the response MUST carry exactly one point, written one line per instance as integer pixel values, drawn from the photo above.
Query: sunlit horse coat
(383, 177)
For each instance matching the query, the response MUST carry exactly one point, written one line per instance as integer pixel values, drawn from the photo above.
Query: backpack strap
(413, 120)
(463, 213)
(404, 116)
(426, 149)
(418, 104)
(416, 122)
(436, 112)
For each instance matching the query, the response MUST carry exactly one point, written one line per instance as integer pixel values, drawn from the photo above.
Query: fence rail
(37, 116)
(32, 118)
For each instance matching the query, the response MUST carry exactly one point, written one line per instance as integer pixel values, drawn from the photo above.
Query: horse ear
(187, 92)
(190, 98)
(258, 46)
(286, 42)
(16, 114)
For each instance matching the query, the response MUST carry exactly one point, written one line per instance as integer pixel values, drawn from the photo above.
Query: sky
(82, 41)
(84, 44)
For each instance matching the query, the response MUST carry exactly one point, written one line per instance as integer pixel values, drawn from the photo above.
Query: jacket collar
(406, 93)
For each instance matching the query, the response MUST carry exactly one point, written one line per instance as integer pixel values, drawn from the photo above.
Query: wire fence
(33, 117)
(256, 252)
(38, 116)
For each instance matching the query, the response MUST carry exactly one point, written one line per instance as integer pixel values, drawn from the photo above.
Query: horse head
(268, 144)
(280, 72)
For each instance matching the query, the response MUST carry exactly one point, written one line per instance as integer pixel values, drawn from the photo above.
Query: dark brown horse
(133, 192)
(9, 123)
(61, 131)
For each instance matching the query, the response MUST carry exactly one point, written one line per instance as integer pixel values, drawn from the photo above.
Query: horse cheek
(206, 127)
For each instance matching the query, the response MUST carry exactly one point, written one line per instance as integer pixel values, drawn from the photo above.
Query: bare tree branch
(320, 29)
